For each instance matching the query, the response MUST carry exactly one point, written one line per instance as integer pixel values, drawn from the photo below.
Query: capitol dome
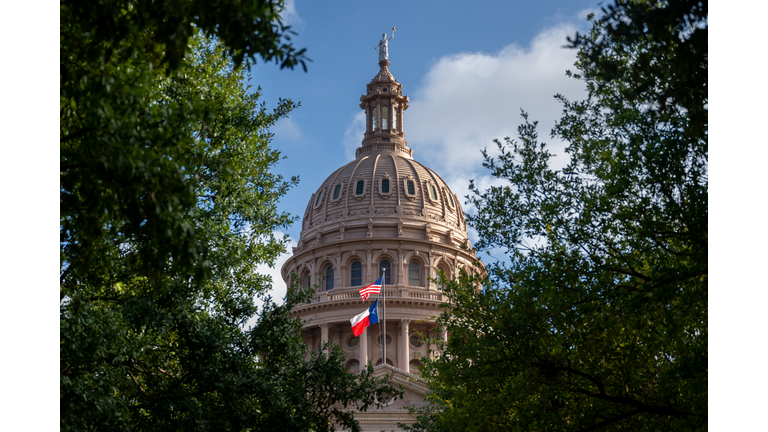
(381, 215)
(384, 182)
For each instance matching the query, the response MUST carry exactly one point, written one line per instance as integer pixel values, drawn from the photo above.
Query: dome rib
(333, 183)
(373, 180)
(349, 184)
(397, 181)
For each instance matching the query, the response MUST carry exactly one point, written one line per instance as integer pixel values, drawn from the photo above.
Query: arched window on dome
(306, 280)
(414, 366)
(414, 276)
(441, 268)
(336, 191)
(356, 274)
(353, 366)
(385, 268)
(384, 111)
(329, 278)
(385, 185)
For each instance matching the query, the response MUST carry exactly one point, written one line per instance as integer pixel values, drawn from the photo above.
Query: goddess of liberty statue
(382, 47)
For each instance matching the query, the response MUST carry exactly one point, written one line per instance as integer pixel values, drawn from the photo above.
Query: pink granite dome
(386, 183)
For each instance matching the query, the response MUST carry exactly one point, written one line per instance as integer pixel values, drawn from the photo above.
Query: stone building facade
(386, 214)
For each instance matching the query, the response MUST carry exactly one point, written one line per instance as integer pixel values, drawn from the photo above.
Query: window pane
(329, 279)
(394, 118)
(413, 274)
(450, 199)
(384, 185)
(384, 111)
(432, 193)
(411, 188)
(416, 341)
(359, 189)
(320, 195)
(438, 285)
(336, 191)
(356, 278)
(388, 339)
(386, 267)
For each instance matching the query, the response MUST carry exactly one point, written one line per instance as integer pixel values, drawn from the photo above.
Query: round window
(353, 342)
(389, 339)
(416, 341)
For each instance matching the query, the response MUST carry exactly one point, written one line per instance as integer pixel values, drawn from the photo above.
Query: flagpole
(384, 312)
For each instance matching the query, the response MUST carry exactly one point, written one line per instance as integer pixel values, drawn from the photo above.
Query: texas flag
(368, 317)
(373, 288)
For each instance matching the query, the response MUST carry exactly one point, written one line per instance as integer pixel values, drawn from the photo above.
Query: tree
(599, 319)
(167, 207)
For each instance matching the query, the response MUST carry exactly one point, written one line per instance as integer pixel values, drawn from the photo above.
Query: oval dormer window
(432, 193)
(411, 187)
(319, 197)
(336, 192)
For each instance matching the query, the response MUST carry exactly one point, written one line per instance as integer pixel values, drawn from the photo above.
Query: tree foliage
(167, 206)
(599, 320)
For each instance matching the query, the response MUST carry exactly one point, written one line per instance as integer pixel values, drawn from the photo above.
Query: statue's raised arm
(382, 47)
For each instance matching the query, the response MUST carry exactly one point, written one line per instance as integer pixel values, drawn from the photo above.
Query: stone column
(324, 335)
(313, 274)
(338, 273)
(404, 347)
(363, 355)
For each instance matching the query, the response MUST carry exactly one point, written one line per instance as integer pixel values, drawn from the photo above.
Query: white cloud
(353, 135)
(279, 289)
(286, 129)
(467, 99)
(290, 15)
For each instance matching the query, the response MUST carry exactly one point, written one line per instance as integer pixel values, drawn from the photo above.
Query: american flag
(373, 288)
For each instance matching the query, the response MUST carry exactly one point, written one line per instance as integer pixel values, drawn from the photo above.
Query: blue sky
(468, 70)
